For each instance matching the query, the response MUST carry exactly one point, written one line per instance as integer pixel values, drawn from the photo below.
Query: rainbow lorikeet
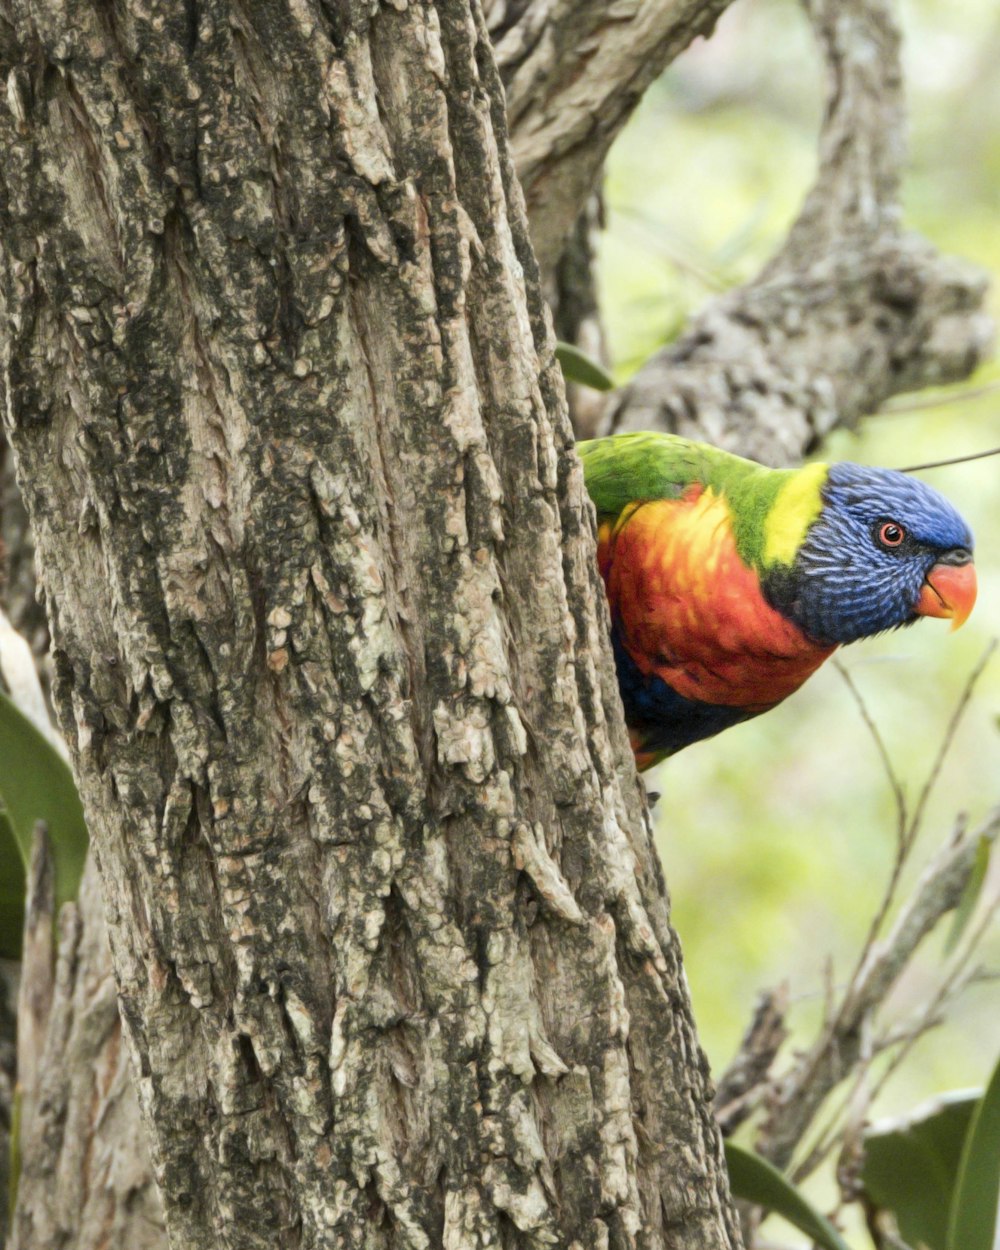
(730, 583)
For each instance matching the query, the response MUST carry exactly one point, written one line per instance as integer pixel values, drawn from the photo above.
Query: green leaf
(12, 888)
(755, 1180)
(36, 784)
(972, 1224)
(970, 895)
(578, 367)
(910, 1167)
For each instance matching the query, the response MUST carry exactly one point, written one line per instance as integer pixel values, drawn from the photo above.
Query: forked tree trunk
(391, 941)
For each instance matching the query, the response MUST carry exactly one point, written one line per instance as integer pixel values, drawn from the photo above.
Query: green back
(629, 468)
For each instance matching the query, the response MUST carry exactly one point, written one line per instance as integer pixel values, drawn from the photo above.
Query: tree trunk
(391, 941)
(85, 1177)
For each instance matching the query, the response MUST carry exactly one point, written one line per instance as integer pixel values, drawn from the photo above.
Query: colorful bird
(730, 583)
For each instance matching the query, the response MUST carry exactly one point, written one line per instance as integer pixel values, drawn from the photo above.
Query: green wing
(626, 468)
(770, 509)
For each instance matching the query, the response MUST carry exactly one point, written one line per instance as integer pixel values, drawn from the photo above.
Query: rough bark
(850, 311)
(85, 1176)
(576, 313)
(17, 553)
(390, 938)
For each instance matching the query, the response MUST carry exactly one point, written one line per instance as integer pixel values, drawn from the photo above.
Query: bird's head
(883, 550)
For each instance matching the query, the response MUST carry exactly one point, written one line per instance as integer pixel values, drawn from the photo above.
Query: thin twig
(901, 404)
(957, 980)
(840, 1047)
(679, 252)
(902, 824)
(747, 1078)
(943, 464)
(907, 829)
(898, 794)
(949, 736)
(902, 1039)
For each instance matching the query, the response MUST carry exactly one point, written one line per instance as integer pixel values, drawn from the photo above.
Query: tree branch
(850, 311)
(804, 1089)
(573, 72)
(86, 1179)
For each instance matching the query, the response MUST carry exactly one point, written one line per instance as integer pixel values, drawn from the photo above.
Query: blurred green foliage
(777, 837)
(938, 1170)
(36, 787)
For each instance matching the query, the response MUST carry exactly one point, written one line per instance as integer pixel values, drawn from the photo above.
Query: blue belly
(664, 720)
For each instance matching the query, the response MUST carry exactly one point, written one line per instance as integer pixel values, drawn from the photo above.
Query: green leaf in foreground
(36, 784)
(972, 1224)
(910, 1166)
(755, 1180)
(578, 367)
(12, 888)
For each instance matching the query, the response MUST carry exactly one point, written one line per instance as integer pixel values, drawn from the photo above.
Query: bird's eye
(890, 534)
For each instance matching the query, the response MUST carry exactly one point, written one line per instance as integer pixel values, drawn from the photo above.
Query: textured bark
(390, 938)
(576, 313)
(17, 583)
(850, 311)
(573, 72)
(85, 1179)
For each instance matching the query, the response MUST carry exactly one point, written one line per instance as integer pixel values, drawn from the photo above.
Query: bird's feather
(729, 583)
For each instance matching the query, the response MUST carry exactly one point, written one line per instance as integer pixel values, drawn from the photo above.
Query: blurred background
(778, 837)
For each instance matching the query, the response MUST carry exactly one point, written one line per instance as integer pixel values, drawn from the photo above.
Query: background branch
(801, 1093)
(850, 311)
(574, 72)
(801, 1118)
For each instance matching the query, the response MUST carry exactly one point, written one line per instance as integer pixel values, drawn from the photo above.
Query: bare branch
(899, 797)
(847, 1039)
(747, 1078)
(908, 828)
(906, 404)
(905, 1036)
(573, 72)
(804, 1089)
(850, 311)
(948, 738)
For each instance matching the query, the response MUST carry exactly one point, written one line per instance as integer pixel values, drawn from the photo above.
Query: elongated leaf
(12, 887)
(911, 1166)
(972, 1224)
(36, 784)
(755, 1180)
(577, 366)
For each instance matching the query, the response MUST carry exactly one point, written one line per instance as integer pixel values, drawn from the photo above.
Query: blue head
(885, 549)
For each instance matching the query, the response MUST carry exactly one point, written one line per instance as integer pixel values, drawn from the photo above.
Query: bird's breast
(687, 609)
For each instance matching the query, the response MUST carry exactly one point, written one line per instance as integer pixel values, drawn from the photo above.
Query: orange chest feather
(690, 611)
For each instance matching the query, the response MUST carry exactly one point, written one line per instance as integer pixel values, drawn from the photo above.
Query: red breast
(692, 612)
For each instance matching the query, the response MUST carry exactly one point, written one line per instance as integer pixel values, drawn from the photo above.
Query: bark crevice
(331, 644)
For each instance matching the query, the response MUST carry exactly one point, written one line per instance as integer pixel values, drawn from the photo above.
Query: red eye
(890, 534)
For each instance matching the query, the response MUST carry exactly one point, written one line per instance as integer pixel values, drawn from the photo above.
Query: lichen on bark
(391, 942)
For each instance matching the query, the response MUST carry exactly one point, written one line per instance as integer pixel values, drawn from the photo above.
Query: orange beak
(949, 590)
